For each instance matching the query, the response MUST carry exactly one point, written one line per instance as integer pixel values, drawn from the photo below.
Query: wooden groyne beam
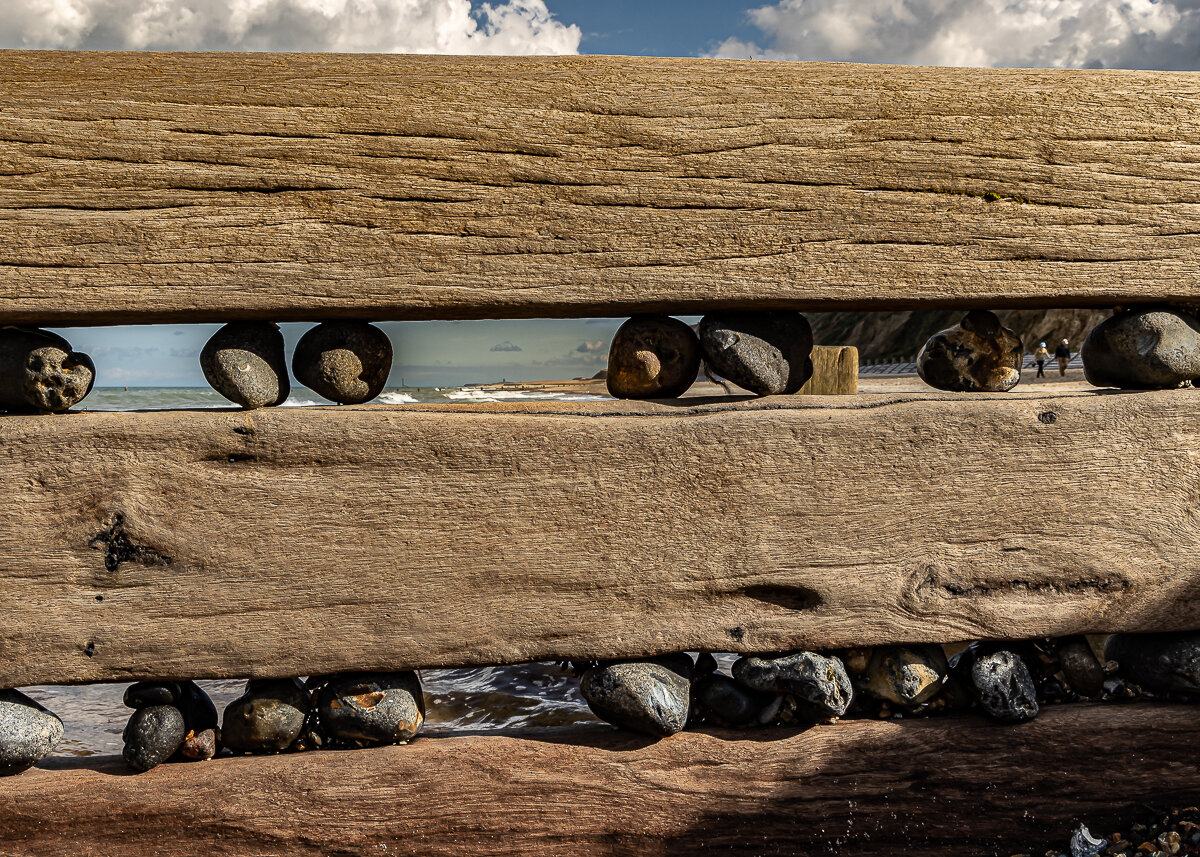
(298, 541)
(156, 187)
(947, 786)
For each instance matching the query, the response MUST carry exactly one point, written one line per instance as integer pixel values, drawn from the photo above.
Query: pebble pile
(176, 721)
(767, 353)
(1154, 832)
(1010, 682)
(345, 361)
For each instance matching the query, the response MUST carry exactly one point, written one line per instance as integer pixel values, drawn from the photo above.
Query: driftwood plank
(186, 187)
(950, 786)
(298, 541)
(835, 371)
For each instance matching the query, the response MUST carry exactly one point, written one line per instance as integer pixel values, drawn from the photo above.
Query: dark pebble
(146, 693)
(1145, 348)
(372, 708)
(1004, 686)
(1162, 663)
(818, 683)
(905, 675)
(1082, 672)
(977, 355)
(767, 353)
(344, 361)
(28, 732)
(268, 717)
(725, 702)
(652, 357)
(651, 697)
(245, 363)
(152, 736)
(705, 664)
(40, 372)
(197, 709)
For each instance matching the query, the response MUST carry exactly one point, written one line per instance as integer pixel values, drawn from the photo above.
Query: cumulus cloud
(505, 346)
(590, 347)
(389, 26)
(1161, 34)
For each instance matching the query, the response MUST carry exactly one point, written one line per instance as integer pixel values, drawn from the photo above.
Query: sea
(538, 697)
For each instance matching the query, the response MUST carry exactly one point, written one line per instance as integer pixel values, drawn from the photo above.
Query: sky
(1151, 34)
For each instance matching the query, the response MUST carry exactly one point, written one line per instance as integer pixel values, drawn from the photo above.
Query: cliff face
(884, 335)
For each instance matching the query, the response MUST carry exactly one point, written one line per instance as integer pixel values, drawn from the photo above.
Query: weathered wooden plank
(297, 541)
(949, 786)
(186, 187)
(835, 371)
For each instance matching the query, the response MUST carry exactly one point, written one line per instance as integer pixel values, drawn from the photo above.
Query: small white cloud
(1020, 33)
(590, 347)
(505, 346)
(388, 26)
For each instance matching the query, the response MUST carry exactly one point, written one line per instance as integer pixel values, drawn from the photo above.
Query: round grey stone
(372, 708)
(344, 361)
(245, 363)
(28, 732)
(39, 371)
(1162, 663)
(977, 355)
(767, 353)
(819, 684)
(152, 736)
(1004, 686)
(652, 357)
(267, 718)
(1144, 348)
(650, 697)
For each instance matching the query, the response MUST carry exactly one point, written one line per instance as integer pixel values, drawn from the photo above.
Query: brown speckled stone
(40, 372)
(978, 355)
(344, 361)
(906, 675)
(652, 357)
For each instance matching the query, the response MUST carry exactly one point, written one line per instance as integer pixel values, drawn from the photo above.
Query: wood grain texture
(948, 786)
(297, 541)
(199, 187)
(835, 371)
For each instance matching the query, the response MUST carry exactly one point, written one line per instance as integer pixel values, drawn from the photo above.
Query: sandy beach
(869, 384)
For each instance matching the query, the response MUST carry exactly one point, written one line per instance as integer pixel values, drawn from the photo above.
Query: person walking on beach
(1040, 355)
(1063, 354)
